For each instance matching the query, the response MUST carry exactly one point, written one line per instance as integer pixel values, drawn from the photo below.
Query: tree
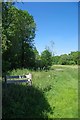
(67, 59)
(74, 56)
(46, 58)
(55, 59)
(18, 32)
(37, 59)
(63, 59)
(6, 43)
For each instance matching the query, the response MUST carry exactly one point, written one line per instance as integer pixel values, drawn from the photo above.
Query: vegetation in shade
(54, 94)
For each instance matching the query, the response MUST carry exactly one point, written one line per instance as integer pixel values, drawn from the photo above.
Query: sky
(56, 22)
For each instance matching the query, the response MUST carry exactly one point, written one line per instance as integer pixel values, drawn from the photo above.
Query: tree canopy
(46, 58)
(18, 32)
(67, 59)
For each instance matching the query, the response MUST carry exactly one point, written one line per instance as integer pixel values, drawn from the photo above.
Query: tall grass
(54, 94)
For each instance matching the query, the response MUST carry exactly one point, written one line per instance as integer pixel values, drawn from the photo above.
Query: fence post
(30, 83)
(5, 81)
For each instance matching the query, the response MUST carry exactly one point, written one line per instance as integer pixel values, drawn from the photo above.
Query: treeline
(18, 33)
(67, 59)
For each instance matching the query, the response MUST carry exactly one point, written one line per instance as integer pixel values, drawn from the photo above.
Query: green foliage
(37, 56)
(72, 58)
(52, 95)
(55, 59)
(46, 58)
(18, 32)
(72, 63)
(63, 59)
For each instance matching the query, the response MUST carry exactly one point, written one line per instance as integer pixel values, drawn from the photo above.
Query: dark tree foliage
(18, 32)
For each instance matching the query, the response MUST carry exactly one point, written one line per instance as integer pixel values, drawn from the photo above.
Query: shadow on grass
(21, 101)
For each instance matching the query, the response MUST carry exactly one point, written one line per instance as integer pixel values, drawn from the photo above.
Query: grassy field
(54, 94)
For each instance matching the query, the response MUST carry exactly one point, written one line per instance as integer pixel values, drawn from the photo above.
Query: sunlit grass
(59, 87)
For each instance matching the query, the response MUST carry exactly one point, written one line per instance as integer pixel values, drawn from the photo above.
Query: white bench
(20, 79)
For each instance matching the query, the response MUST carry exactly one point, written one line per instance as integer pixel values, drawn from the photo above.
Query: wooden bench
(19, 79)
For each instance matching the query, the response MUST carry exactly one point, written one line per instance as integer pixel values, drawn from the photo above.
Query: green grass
(54, 94)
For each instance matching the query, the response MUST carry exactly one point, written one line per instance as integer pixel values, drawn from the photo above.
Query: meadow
(53, 94)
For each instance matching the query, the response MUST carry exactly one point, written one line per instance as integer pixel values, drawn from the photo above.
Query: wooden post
(30, 83)
(5, 81)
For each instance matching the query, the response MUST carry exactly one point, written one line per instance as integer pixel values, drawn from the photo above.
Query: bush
(46, 59)
(72, 63)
